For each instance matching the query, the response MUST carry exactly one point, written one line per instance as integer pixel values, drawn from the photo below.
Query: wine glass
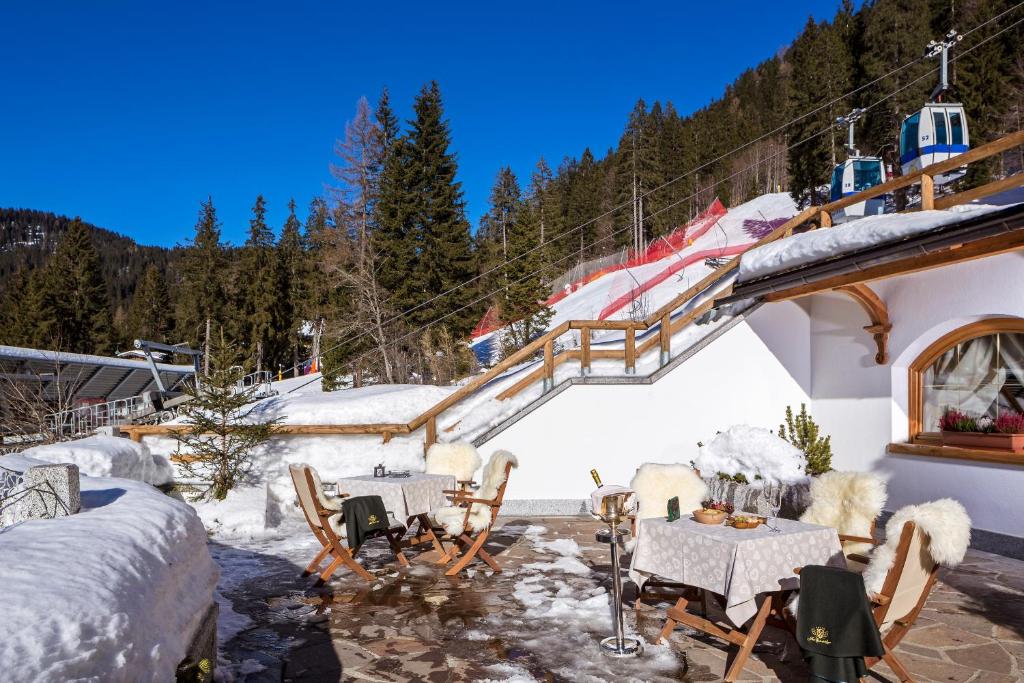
(771, 495)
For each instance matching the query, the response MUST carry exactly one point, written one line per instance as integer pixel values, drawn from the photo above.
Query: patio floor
(541, 618)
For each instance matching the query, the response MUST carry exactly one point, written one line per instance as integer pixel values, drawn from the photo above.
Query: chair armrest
(857, 557)
(879, 599)
(483, 501)
(455, 492)
(857, 539)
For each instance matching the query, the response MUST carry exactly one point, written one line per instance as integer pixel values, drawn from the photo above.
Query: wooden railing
(820, 216)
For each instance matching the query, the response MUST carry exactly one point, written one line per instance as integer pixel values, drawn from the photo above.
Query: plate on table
(746, 521)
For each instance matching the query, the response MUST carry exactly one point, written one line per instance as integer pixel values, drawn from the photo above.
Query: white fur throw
(944, 522)
(451, 517)
(848, 502)
(457, 458)
(655, 483)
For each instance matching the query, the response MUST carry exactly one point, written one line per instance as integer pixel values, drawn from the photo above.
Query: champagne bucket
(611, 511)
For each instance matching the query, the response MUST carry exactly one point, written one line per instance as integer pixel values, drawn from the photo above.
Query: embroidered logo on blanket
(819, 634)
(371, 519)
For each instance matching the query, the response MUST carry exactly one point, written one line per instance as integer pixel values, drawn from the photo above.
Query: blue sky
(130, 113)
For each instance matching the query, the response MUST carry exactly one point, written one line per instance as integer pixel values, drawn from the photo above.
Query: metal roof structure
(81, 376)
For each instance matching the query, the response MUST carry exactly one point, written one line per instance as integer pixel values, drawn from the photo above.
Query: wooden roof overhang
(849, 273)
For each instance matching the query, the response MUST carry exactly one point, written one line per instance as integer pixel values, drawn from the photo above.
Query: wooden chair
(467, 522)
(907, 585)
(327, 523)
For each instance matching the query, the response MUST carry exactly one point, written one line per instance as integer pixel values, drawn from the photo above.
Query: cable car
(939, 130)
(936, 133)
(856, 174)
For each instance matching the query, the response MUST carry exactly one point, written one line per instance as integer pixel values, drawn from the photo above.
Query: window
(837, 182)
(939, 118)
(908, 136)
(956, 127)
(866, 174)
(977, 369)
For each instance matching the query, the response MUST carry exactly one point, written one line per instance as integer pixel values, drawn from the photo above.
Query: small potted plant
(1004, 433)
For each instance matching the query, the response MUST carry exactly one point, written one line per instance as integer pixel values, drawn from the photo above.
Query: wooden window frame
(915, 386)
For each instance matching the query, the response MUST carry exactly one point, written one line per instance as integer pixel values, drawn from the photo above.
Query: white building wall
(864, 406)
(737, 379)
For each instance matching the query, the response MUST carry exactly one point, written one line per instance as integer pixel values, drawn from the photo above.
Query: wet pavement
(542, 617)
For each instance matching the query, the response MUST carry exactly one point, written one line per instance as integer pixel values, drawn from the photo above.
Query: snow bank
(108, 456)
(113, 593)
(382, 403)
(754, 452)
(809, 247)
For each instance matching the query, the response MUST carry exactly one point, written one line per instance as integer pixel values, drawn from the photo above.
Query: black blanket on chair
(835, 627)
(364, 516)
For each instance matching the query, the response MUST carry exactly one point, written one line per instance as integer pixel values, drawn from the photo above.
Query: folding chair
(327, 523)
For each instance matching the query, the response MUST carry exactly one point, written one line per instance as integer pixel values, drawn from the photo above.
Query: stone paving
(541, 618)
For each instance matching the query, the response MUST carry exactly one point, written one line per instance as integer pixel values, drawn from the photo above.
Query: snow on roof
(18, 353)
(816, 245)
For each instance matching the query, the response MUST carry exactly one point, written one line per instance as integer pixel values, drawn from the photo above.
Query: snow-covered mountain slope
(656, 283)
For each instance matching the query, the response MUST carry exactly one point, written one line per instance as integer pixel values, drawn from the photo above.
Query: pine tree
(542, 196)
(74, 304)
(293, 264)
(201, 287)
(492, 235)
(223, 427)
(446, 258)
(151, 316)
(263, 323)
(16, 309)
(822, 70)
(522, 303)
(362, 156)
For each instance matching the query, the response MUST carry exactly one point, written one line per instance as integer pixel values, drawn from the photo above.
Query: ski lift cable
(579, 252)
(486, 296)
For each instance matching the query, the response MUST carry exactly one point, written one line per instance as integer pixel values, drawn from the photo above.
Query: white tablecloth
(403, 497)
(738, 564)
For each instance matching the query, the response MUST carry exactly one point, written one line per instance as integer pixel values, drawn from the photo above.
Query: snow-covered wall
(864, 406)
(737, 379)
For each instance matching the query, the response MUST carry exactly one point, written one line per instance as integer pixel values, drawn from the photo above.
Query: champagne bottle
(596, 477)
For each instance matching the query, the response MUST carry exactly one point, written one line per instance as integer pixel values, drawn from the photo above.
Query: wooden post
(665, 337)
(431, 438)
(630, 350)
(584, 350)
(825, 219)
(549, 365)
(927, 193)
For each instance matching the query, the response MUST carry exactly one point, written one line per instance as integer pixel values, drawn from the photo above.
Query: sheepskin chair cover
(458, 458)
(944, 522)
(451, 517)
(654, 483)
(848, 502)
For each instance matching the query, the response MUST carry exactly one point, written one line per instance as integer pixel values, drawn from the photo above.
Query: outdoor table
(410, 498)
(740, 565)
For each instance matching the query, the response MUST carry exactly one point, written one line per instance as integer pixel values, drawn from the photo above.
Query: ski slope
(610, 296)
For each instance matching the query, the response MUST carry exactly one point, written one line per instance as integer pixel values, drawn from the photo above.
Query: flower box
(1013, 443)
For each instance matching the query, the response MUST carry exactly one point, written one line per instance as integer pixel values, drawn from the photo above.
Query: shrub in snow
(802, 432)
(222, 433)
(753, 452)
(108, 456)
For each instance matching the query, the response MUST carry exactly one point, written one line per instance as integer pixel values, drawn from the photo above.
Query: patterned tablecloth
(738, 564)
(403, 497)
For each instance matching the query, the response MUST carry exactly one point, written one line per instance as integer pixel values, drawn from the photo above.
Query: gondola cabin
(856, 175)
(936, 133)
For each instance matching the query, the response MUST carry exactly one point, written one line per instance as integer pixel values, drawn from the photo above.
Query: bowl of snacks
(709, 515)
(745, 521)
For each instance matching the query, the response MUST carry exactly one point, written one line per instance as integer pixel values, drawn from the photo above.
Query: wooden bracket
(878, 314)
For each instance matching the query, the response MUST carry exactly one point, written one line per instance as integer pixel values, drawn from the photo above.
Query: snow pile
(754, 452)
(809, 247)
(108, 456)
(113, 593)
